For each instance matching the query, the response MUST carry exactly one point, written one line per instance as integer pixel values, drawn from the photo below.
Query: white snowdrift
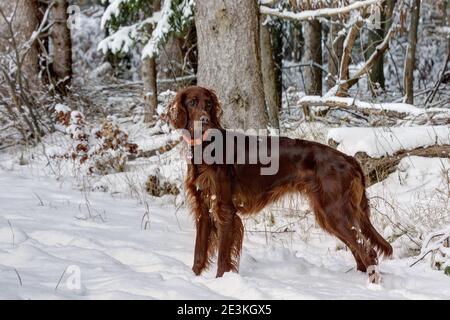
(46, 227)
(379, 142)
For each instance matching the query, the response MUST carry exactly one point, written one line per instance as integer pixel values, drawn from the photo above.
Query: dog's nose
(204, 119)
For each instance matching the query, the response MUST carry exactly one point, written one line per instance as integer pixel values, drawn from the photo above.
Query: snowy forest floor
(47, 226)
(129, 245)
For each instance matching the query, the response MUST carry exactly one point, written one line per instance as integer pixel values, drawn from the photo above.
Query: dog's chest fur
(212, 184)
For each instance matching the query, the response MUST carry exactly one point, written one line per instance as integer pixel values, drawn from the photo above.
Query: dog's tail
(368, 230)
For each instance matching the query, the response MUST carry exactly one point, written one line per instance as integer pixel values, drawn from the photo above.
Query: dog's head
(193, 106)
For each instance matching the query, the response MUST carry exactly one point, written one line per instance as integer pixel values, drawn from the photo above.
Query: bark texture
(312, 33)
(149, 75)
(410, 63)
(26, 19)
(149, 79)
(230, 61)
(62, 46)
(376, 74)
(268, 69)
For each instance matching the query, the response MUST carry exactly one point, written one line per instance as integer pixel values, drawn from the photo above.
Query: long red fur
(218, 193)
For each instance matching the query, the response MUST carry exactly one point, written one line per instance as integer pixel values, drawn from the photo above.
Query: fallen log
(392, 111)
(378, 169)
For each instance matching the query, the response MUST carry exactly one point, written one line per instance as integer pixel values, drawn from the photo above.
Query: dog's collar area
(195, 142)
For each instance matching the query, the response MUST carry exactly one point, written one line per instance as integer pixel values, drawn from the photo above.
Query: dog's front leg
(205, 241)
(231, 233)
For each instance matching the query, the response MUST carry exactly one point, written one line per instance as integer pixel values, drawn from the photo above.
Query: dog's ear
(176, 113)
(216, 113)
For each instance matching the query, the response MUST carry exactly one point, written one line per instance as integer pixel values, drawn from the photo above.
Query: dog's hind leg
(348, 229)
(360, 266)
(340, 219)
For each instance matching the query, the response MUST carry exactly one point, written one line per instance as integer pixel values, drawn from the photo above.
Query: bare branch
(346, 83)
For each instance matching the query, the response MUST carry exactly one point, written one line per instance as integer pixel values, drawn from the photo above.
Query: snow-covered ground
(50, 233)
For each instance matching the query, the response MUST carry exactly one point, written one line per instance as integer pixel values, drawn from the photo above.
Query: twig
(438, 82)
(12, 232)
(60, 278)
(18, 276)
(267, 231)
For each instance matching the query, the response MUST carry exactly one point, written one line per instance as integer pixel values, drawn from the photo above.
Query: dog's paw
(374, 274)
(197, 269)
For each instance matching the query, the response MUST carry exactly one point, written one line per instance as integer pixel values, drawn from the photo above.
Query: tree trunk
(376, 74)
(268, 70)
(62, 47)
(389, 7)
(171, 59)
(149, 78)
(446, 20)
(408, 76)
(312, 33)
(336, 47)
(295, 45)
(25, 21)
(277, 51)
(149, 75)
(230, 61)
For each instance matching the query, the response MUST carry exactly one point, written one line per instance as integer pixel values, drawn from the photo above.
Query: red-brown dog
(332, 181)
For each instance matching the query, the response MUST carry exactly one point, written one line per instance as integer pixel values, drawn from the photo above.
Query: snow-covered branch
(160, 31)
(165, 24)
(113, 10)
(436, 243)
(124, 38)
(399, 111)
(319, 13)
(174, 15)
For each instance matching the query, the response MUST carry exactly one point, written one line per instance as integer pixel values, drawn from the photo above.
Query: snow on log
(319, 13)
(383, 141)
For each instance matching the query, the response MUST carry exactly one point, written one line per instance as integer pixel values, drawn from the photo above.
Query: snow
(310, 14)
(62, 108)
(86, 58)
(412, 202)
(396, 107)
(123, 39)
(162, 28)
(48, 231)
(120, 41)
(113, 10)
(382, 141)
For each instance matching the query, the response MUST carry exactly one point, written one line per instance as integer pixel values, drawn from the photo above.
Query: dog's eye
(192, 103)
(209, 104)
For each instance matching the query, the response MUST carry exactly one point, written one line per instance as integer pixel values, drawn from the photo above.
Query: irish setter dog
(217, 192)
